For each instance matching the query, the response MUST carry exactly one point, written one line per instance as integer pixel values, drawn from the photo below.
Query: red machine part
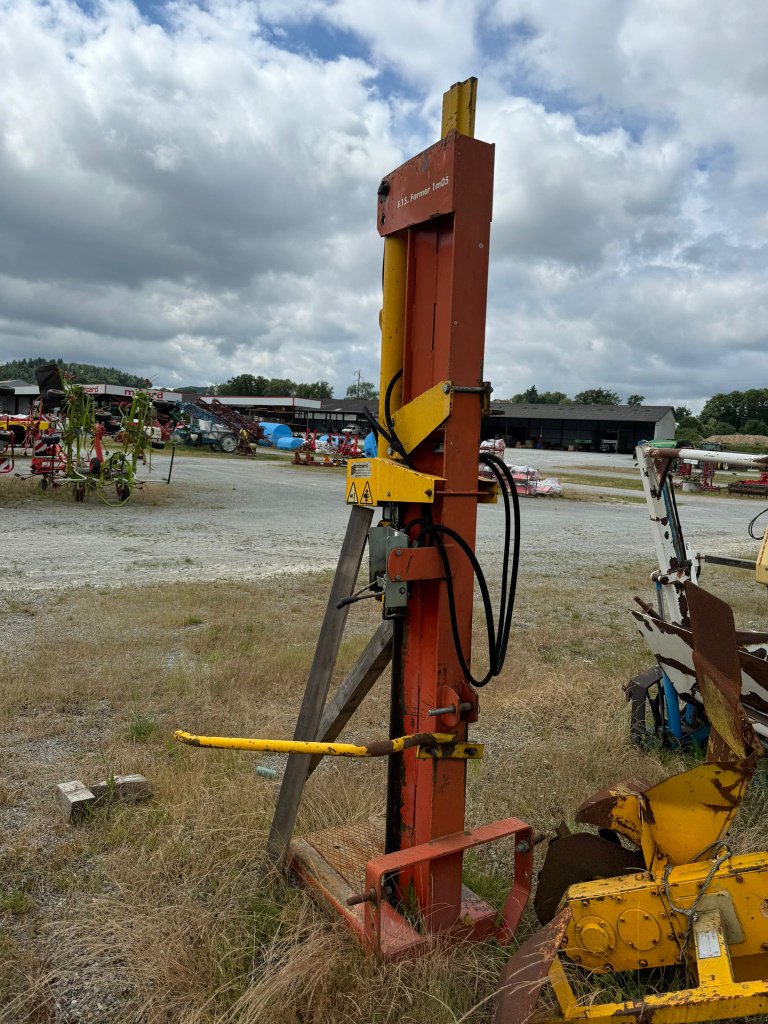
(7, 451)
(441, 201)
(49, 459)
(438, 208)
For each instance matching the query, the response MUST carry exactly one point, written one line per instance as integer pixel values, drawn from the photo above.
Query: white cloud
(196, 198)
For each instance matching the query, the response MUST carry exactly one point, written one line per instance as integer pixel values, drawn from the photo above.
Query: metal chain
(690, 912)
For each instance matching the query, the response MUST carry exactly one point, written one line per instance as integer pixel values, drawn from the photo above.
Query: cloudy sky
(188, 190)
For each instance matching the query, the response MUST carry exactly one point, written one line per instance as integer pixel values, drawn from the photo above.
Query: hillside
(80, 373)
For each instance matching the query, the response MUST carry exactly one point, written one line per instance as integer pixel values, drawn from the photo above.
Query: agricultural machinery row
(72, 442)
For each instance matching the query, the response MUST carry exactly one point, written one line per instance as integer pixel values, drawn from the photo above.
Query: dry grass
(602, 480)
(20, 489)
(163, 912)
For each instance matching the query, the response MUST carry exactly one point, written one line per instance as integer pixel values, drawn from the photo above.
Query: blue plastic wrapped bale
(273, 431)
(369, 446)
(289, 444)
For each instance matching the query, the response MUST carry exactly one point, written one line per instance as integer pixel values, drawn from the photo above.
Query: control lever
(374, 589)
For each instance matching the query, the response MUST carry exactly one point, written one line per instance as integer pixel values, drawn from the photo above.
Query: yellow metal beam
(459, 108)
(378, 481)
(392, 321)
(379, 749)
(424, 414)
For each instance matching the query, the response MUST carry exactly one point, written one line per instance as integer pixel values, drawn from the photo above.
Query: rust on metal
(383, 748)
(526, 972)
(616, 807)
(718, 673)
(580, 857)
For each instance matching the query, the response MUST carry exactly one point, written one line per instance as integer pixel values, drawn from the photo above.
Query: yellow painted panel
(378, 481)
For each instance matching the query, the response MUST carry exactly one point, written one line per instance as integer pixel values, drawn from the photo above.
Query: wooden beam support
(357, 684)
(318, 683)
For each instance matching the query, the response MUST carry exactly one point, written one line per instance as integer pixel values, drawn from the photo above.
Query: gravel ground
(229, 518)
(225, 519)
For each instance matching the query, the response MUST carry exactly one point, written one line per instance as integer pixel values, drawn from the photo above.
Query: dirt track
(228, 518)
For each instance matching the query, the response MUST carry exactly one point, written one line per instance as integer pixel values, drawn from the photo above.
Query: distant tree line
(78, 373)
(278, 387)
(737, 412)
(592, 396)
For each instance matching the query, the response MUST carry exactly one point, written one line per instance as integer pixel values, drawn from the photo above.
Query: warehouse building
(579, 427)
(576, 427)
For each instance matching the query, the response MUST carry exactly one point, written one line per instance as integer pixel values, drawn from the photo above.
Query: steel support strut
(434, 213)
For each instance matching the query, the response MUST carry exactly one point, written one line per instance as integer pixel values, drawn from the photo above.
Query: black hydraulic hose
(750, 528)
(497, 631)
(396, 443)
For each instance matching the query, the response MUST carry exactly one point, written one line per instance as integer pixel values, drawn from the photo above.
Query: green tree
(530, 395)
(362, 389)
(737, 406)
(709, 427)
(243, 384)
(533, 396)
(79, 373)
(317, 389)
(635, 399)
(688, 436)
(553, 398)
(681, 412)
(280, 387)
(689, 423)
(755, 427)
(597, 396)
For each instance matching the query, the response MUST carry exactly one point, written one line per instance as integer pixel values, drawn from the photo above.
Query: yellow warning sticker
(366, 498)
(352, 495)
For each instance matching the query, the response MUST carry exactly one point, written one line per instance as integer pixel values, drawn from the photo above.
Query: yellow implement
(429, 744)
(680, 897)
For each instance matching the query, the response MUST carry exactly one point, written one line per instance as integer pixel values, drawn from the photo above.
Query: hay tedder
(655, 885)
(68, 442)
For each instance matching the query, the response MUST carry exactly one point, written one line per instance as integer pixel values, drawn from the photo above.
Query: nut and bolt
(369, 896)
(450, 709)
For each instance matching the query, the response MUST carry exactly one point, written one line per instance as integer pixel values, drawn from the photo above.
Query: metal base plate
(334, 862)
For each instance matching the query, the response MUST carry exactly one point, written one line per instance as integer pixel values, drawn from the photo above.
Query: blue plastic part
(369, 446)
(272, 431)
(672, 708)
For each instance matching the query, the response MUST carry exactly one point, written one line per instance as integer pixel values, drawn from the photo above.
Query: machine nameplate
(707, 944)
(360, 469)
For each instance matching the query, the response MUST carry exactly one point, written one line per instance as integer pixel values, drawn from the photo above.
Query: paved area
(229, 518)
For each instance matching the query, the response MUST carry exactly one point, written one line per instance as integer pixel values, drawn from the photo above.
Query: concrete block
(125, 788)
(74, 799)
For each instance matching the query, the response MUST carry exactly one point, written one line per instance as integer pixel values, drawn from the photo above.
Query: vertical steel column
(442, 199)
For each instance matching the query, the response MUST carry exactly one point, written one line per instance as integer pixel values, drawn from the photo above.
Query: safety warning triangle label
(352, 495)
(365, 497)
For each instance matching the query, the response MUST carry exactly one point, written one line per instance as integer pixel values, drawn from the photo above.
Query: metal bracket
(384, 481)
(451, 751)
(383, 541)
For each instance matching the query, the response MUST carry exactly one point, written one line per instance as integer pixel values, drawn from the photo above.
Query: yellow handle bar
(381, 748)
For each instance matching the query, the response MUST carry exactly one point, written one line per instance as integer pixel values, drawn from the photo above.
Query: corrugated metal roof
(523, 410)
(620, 413)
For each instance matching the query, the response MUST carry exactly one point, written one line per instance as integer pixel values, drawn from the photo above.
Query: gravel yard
(227, 518)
